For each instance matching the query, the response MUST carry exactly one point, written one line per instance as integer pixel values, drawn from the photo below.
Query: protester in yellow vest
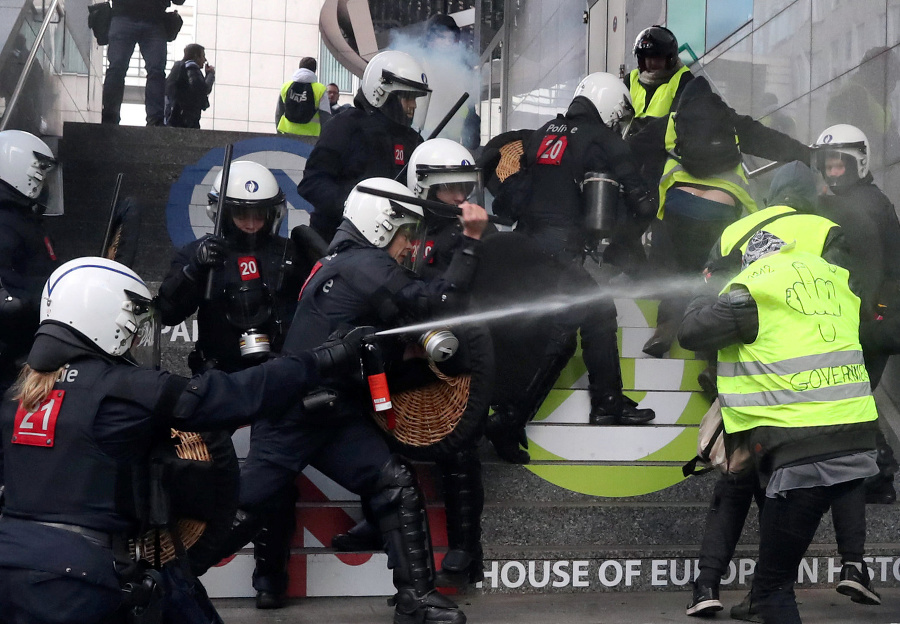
(794, 391)
(660, 78)
(702, 187)
(792, 200)
(302, 105)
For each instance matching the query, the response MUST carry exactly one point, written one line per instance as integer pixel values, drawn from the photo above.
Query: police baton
(112, 217)
(220, 212)
(437, 207)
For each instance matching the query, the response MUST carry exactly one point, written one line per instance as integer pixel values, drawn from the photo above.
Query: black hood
(697, 89)
(794, 185)
(582, 108)
(56, 345)
(347, 236)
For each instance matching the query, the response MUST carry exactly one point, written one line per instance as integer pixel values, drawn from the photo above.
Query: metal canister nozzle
(254, 343)
(439, 344)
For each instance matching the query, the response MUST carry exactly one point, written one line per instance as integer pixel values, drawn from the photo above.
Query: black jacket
(359, 143)
(557, 157)
(26, 261)
(649, 145)
(280, 276)
(187, 91)
(142, 9)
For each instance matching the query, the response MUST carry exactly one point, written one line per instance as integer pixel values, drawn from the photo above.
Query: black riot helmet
(656, 41)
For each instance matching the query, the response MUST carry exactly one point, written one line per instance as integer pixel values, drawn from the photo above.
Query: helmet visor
(145, 348)
(50, 200)
(404, 246)
(414, 107)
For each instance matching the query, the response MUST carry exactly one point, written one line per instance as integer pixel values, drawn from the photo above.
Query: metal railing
(14, 98)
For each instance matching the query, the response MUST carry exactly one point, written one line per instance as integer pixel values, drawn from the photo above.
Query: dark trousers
(681, 243)
(352, 455)
(35, 597)
(731, 504)
(150, 36)
(787, 527)
(272, 547)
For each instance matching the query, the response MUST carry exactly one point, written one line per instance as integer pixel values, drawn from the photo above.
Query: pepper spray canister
(373, 368)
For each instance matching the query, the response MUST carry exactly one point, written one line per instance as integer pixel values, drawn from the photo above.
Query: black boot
(661, 341)
(398, 505)
(634, 415)
(507, 436)
(363, 537)
(464, 501)
(606, 408)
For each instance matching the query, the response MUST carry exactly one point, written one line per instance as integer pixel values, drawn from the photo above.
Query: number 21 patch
(38, 428)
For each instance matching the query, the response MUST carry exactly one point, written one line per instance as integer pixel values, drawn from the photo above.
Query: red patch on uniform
(38, 428)
(552, 149)
(248, 267)
(399, 154)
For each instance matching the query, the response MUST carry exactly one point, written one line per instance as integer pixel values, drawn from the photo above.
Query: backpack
(711, 453)
(300, 104)
(705, 142)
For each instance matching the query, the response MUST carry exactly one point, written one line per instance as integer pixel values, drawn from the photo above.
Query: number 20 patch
(552, 149)
(38, 428)
(249, 268)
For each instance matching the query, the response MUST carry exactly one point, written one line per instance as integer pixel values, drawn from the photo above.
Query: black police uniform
(557, 156)
(360, 143)
(356, 284)
(256, 288)
(26, 261)
(69, 500)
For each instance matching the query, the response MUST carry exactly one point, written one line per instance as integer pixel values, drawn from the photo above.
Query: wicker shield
(202, 480)
(446, 413)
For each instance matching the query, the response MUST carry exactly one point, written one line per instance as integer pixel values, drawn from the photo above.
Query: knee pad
(396, 489)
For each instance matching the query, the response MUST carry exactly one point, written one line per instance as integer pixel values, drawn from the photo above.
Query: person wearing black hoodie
(791, 217)
(372, 139)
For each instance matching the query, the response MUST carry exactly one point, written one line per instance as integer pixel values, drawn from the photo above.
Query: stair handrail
(14, 98)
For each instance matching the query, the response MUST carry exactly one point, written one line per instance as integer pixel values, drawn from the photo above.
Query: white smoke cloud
(451, 70)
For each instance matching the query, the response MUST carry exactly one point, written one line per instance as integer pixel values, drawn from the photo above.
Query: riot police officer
(26, 254)
(361, 278)
(375, 138)
(587, 138)
(256, 279)
(77, 432)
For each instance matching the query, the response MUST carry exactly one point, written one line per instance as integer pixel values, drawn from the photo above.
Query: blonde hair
(33, 387)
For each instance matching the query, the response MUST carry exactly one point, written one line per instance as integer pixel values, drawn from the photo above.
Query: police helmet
(104, 301)
(848, 143)
(379, 219)
(391, 76)
(252, 191)
(25, 162)
(439, 162)
(610, 97)
(656, 41)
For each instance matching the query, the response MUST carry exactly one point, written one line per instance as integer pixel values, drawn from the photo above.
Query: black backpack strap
(735, 254)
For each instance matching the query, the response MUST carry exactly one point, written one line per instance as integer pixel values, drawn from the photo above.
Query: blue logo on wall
(186, 218)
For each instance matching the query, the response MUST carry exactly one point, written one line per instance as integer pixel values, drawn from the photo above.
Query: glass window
(723, 17)
(332, 71)
(687, 19)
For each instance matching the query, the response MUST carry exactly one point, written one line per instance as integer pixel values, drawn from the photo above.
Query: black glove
(10, 306)
(645, 204)
(210, 253)
(340, 354)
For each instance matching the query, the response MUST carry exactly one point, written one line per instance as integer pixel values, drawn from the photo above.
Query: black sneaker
(745, 611)
(857, 585)
(705, 601)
